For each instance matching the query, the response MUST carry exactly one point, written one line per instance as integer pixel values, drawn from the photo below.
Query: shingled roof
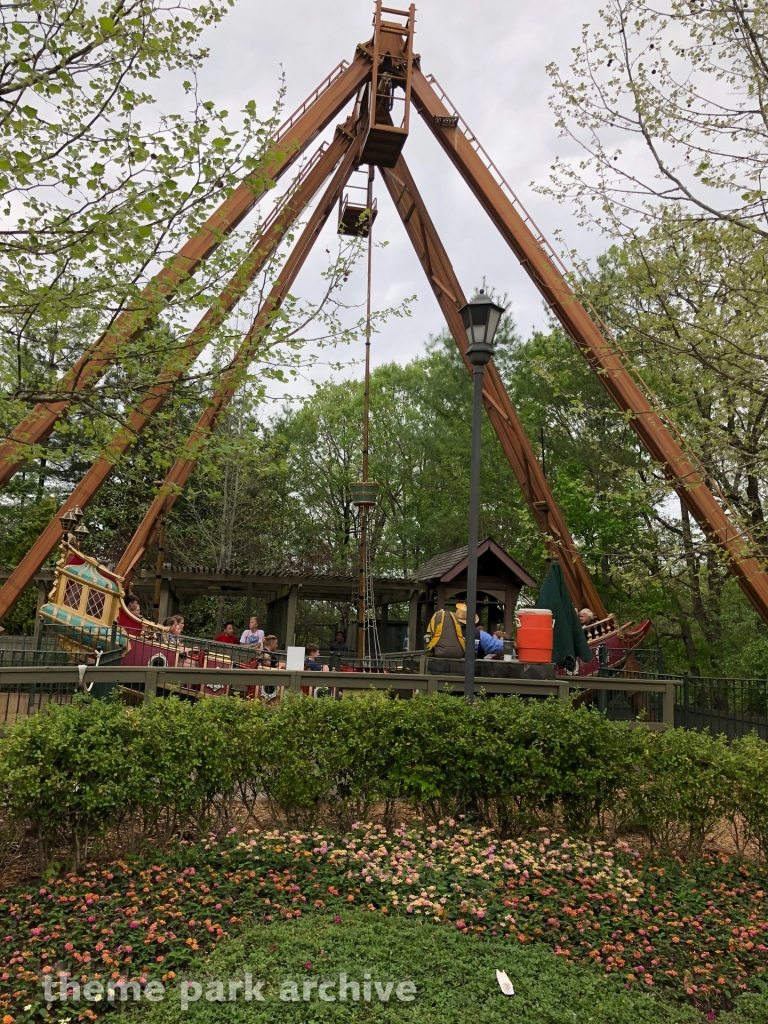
(449, 563)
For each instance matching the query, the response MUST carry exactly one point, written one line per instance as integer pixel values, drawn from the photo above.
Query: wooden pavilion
(443, 582)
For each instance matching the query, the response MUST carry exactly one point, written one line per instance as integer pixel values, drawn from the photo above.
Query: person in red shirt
(228, 636)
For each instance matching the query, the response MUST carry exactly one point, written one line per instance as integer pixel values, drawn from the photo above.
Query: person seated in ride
(228, 636)
(253, 636)
(271, 658)
(445, 637)
(133, 607)
(311, 662)
(175, 626)
(586, 617)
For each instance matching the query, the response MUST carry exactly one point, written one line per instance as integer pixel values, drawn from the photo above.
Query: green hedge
(74, 774)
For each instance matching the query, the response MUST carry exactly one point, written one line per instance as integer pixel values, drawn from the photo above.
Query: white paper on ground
(504, 983)
(294, 661)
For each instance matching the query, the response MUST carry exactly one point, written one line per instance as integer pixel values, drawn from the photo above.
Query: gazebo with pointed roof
(499, 581)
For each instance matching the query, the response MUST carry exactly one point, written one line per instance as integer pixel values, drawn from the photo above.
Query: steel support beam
(275, 230)
(294, 136)
(514, 441)
(739, 549)
(182, 468)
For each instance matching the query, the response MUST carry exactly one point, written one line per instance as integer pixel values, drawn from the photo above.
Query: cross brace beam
(182, 468)
(275, 230)
(447, 289)
(737, 546)
(291, 141)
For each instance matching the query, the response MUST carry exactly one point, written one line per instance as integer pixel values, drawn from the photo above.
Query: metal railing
(22, 701)
(57, 645)
(51, 668)
(315, 95)
(728, 705)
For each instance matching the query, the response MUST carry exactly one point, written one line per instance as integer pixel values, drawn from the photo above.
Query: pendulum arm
(598, 348)
(182, 468)
(311, 118)
(514, 441)
(273, 231)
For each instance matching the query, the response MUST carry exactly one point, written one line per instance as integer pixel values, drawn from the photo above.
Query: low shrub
(75, 773)
(681, 788)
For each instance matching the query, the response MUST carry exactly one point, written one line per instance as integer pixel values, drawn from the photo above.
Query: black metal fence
(51, 645)
(730, 706)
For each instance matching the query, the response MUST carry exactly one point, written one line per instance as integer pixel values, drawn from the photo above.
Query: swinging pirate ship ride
(383, 82)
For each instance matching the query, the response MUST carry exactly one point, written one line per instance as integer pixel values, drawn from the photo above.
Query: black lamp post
(481, 318)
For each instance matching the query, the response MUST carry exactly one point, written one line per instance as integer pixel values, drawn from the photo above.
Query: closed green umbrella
(569, 639)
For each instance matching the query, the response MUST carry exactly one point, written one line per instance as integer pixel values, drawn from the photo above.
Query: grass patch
(453, 976)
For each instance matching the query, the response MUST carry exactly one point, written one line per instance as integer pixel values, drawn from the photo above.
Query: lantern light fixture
(481, 317)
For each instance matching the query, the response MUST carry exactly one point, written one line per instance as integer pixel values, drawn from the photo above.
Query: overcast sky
(490, 57)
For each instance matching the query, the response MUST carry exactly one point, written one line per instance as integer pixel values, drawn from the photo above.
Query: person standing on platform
(339, 645)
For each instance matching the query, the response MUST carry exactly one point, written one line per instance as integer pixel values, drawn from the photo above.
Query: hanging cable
(364, 492)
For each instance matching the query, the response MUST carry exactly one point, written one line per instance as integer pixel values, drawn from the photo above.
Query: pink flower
(461, 924)
(134, 924)
(337, 920)
(308, 965)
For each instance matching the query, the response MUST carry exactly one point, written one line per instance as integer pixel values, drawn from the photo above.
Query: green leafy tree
(667, 105)
(99, 187)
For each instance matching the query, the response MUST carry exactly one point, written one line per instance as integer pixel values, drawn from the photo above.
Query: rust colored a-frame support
(274, 231)
(292, 139)
(444, 283)
(737, 546)
(181, 470)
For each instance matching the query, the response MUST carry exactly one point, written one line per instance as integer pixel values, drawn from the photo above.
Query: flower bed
(698, 932)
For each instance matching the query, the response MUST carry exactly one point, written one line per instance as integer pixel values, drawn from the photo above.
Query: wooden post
(290, 624)
(413, 622)
(248, 603)
(383, 627)
(510, 600)
(164, 609)
(42, 597)
(668, 706)
(150, 685)
(159, 567)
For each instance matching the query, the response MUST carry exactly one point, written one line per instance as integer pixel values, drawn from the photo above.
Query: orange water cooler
(535, 634)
